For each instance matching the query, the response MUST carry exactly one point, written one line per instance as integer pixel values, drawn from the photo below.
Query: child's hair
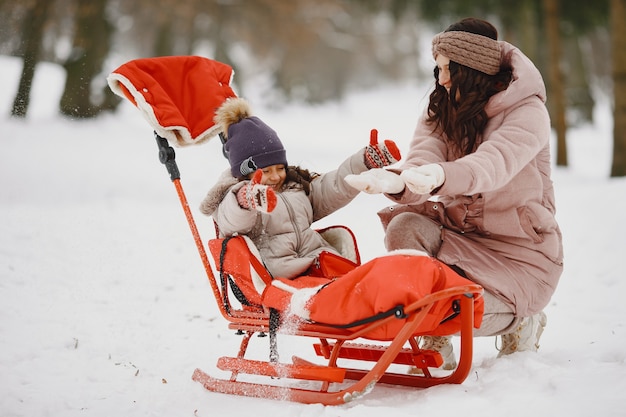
(299, 176)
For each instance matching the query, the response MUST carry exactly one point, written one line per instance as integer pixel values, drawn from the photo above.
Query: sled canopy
(178, 95)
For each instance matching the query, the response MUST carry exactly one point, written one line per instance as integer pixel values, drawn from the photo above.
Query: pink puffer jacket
(499, 199)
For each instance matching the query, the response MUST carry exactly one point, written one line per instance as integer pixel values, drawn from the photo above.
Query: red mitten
(257, 196)
(379, 155)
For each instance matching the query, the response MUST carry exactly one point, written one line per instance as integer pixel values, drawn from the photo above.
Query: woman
(275, 204)
(475, 189)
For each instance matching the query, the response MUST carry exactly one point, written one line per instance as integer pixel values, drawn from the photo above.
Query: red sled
(365, 324)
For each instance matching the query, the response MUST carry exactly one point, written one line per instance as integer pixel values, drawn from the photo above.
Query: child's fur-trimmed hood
(216, 194)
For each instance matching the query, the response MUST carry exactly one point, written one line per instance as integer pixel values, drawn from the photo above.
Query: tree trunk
(618, 52)
(557, 93)
(528, 29)
(579, 100)
(91, 46)
(32, 34)
(163, 45)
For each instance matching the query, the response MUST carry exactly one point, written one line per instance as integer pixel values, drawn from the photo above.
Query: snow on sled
(364, 325)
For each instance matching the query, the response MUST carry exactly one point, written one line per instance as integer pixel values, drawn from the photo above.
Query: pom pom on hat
(250, 143)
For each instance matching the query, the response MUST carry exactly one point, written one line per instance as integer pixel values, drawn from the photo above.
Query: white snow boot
(525, 337)
(443, 345)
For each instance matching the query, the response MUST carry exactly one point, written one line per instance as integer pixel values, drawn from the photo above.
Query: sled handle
(167, 156)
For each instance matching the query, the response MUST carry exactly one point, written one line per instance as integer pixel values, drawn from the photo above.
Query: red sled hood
(178, 95)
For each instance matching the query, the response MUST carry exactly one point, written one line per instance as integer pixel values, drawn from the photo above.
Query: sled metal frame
(333, 343)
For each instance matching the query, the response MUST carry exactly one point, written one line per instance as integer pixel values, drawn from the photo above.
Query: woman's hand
(423, 179)
(376, 181)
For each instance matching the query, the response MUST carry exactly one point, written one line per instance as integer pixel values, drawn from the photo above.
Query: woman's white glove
(376, 181)
(423, 179)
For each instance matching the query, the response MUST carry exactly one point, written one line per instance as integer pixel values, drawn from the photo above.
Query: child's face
(274, 176)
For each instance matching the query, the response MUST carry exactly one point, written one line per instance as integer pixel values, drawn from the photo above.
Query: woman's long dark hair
(463, 120)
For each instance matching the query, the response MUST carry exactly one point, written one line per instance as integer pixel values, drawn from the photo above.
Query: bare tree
(556, 84)
(618, 33)
(32, 33)
(90, 48)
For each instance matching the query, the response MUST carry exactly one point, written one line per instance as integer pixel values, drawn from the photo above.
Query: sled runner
(360, 337)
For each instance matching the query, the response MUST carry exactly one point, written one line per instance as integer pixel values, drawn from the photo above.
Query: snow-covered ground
(105, 309)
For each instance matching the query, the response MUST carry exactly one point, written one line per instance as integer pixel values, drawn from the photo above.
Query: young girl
(275, 204)
(483, 149)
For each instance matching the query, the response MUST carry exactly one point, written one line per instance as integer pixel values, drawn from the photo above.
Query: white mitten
(376, 181)
(255, 196)
(423, 179)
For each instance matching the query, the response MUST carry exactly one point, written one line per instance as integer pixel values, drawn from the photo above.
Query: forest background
(313, 51)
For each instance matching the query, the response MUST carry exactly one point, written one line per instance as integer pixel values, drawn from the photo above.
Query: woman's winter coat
(287, 243)
(497, 204)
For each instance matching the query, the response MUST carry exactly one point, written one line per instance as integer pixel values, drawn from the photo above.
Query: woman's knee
(413, 231)
(401, 221)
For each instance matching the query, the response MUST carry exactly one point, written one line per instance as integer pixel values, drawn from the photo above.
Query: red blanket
(178, 95)
(378, 286)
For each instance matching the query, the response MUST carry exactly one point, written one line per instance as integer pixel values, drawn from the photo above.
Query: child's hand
(257, 196)
(379, 155)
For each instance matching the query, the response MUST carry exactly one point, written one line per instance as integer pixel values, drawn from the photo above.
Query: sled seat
(242, 271)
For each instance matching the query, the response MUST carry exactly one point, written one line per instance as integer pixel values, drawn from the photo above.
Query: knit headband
(475, 51)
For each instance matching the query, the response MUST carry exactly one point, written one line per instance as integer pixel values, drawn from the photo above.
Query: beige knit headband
(475, 51)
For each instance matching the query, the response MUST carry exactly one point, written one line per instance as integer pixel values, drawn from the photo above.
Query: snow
(106, 310)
